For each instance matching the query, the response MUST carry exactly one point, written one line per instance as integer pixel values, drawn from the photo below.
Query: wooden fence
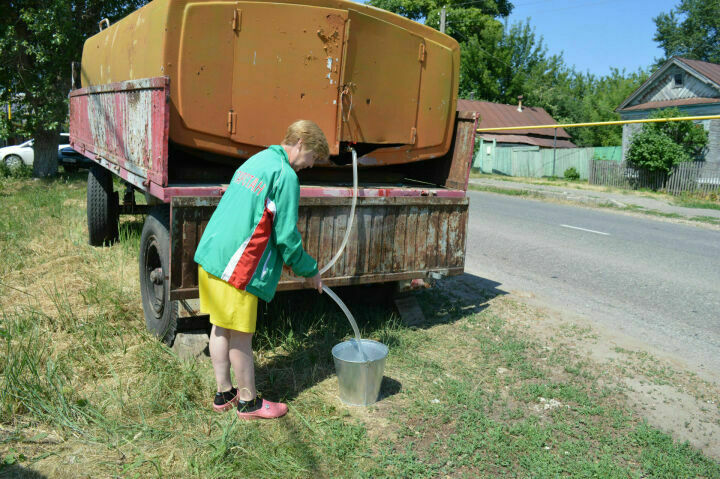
(695, 177)
(535, 162)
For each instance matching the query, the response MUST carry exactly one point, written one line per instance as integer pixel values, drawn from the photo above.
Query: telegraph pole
(442, 19)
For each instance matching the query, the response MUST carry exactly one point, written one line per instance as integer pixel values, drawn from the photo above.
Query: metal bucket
(359, 380)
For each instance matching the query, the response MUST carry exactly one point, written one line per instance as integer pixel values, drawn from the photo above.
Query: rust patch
(330, 34)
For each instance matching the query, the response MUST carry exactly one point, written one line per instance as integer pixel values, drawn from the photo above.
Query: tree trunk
(46, 152)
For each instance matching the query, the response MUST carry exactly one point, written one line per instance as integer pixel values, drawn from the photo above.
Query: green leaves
(38, 41)
(692, 30)
(427, 9)
(654, 151)
(498, 64)
(660, 146)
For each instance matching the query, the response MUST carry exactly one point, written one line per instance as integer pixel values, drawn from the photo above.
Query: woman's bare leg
(241, 358)
(219, 354)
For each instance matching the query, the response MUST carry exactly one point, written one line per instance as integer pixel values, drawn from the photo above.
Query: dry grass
(86, 392)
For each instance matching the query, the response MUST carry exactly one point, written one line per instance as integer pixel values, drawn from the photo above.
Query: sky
(596, 35)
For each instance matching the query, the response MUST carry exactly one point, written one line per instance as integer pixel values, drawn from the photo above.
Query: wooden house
(692, 86)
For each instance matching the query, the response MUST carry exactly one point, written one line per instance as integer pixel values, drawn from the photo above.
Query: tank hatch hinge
(422, 54)
(232, 122)
(237, 20)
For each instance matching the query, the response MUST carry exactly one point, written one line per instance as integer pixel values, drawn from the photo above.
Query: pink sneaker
(260, 408)
(225, 401)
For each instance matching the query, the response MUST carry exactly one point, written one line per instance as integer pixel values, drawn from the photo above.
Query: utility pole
(442, 19)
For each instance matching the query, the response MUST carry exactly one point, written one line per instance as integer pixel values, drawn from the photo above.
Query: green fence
(536, 162)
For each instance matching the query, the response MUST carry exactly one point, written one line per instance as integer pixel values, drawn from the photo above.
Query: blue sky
(596, 35)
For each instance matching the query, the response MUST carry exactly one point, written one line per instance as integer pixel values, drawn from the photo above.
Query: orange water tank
(241, 72)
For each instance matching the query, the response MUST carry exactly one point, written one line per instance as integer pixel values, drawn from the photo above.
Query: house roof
(497, 115)
(668, 103)
(544, 141)
(709, 72)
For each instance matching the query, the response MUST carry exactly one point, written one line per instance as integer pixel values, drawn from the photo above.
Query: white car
(24, 152)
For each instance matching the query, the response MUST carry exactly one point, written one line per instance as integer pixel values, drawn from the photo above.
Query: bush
(655, 151)
(660, 146)
(571, 174)
(22, 171)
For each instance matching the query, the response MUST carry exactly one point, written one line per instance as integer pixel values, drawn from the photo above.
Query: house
(495, 115)
(692, 86)
(527, 152)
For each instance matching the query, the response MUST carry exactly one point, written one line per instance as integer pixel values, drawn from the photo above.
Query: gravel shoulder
(656, 385)
(591, 196)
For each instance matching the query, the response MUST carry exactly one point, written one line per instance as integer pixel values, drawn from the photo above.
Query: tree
(476, 27)
(429, 10)
(600, 96)
(660, 146)
(38, 41)
(691, 30)
(498, 64)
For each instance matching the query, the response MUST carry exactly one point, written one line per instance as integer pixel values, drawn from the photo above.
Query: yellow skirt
(228, 307)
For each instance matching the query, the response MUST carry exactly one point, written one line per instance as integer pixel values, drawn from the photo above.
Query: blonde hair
(312, 136)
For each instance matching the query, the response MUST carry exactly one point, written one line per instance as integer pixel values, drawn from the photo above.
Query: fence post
(554, 150)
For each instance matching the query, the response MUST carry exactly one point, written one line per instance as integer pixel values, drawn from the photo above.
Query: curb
(712, 221)
(562, 195)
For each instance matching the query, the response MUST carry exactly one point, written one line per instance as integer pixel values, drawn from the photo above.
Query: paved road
(655, 281)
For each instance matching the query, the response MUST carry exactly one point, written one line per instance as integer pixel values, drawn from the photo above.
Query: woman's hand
(315, 282)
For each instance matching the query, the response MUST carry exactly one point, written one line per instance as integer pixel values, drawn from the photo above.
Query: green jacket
(254, 228)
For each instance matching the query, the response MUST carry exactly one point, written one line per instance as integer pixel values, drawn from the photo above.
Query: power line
(535, 3)
(592, 4)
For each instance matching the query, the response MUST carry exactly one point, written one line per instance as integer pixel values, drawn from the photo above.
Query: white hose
(345, 310)
(350, 218)
(339, 252)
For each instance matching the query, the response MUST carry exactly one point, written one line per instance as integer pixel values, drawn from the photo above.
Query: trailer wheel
(102, 207)
(160, 313)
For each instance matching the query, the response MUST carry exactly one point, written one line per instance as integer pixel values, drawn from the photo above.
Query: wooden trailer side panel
(124, 127)
(392, 238)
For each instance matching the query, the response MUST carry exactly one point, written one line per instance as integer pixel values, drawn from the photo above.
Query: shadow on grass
(389, 387)
(131, 225)
(297, 330)
(17, 471)
(457, 297)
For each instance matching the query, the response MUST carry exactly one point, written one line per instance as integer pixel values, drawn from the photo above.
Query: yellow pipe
(598, 123)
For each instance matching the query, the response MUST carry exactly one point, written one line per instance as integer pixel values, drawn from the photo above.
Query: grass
(710, 202)
(686, 200)
(565, 183)
(505, 191)
(86, 391)
(711, 220)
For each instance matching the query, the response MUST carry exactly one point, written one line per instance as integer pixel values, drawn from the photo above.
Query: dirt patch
(657, 386)
(678, 413)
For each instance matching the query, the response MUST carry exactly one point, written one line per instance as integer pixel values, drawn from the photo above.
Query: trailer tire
(160, 313)
(103, 210)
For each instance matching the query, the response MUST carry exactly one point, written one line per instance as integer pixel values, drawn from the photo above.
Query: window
(678, 80)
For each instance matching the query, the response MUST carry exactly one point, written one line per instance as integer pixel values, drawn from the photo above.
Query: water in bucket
(359, 375)
(359, 364)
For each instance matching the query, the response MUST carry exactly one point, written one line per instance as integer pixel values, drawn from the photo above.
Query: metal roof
(546, 141)
(670, 103)
(493, 115)
(709, 70)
